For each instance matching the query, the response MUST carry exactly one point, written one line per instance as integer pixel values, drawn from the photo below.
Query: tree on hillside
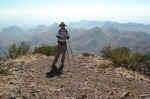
(14, 51)
(23, 49)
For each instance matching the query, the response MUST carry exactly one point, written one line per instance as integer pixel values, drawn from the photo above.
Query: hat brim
(62, 25)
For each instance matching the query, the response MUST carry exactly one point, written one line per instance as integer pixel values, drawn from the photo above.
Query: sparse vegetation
(87, 54)
(123, 56)
(15, 51)
(120, 55)
(136, 59)
(46, 50)
(106, 52)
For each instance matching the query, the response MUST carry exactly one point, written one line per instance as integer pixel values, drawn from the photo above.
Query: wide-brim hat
(62, 24)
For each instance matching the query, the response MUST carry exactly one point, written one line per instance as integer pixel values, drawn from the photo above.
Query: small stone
(70, 98)
(35, 91)
(126, 93)
(111, 93)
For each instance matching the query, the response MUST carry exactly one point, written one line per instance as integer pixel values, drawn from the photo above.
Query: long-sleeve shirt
(62, 35)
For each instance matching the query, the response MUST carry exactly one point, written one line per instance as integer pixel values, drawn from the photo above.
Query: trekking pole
(68, 58)
(70, 48)
(69, 44)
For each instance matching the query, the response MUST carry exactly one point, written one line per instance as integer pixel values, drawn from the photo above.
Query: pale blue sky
(43, 11)
(33, 3)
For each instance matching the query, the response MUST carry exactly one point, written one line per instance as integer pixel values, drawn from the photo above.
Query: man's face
(62, 26)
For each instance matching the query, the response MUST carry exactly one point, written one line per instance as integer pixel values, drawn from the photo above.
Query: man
(62, 36)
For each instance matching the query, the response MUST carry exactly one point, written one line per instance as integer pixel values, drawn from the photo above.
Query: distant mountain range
(86, 35)
(120, 26)
(96, 38)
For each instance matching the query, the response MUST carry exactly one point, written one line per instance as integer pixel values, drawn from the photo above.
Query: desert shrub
(23, 49)
(136, 59)
(120, 55)
(46, 50)
(14, 51)
(123, 56)
(106, 52)
(86, 54)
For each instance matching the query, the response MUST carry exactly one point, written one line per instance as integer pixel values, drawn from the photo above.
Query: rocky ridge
(83, 78)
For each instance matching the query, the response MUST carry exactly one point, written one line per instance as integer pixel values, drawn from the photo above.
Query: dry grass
(131, 74)
(104, 63)
(27, 59)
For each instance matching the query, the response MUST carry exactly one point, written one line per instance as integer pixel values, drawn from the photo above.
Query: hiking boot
(53, 72)
(54, 68)
(50, 74)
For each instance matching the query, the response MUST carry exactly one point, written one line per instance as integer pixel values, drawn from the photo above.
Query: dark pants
(61, 50)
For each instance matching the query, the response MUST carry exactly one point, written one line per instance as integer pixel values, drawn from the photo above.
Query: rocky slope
(83, 78)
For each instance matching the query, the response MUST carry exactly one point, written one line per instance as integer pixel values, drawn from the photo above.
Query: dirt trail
(80, 80)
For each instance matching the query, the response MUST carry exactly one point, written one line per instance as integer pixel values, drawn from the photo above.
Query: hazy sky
(46, 11)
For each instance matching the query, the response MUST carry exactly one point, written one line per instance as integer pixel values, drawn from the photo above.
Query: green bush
(14, 51)
(87, 54)
(106, 52)
(136, 59)
(23, 49)
(123, 56)
(119, 55)
(46, 50)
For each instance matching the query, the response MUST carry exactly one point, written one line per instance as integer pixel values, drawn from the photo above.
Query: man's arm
(58, 36)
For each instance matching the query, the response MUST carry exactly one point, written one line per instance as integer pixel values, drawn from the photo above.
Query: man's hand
(68, 37)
